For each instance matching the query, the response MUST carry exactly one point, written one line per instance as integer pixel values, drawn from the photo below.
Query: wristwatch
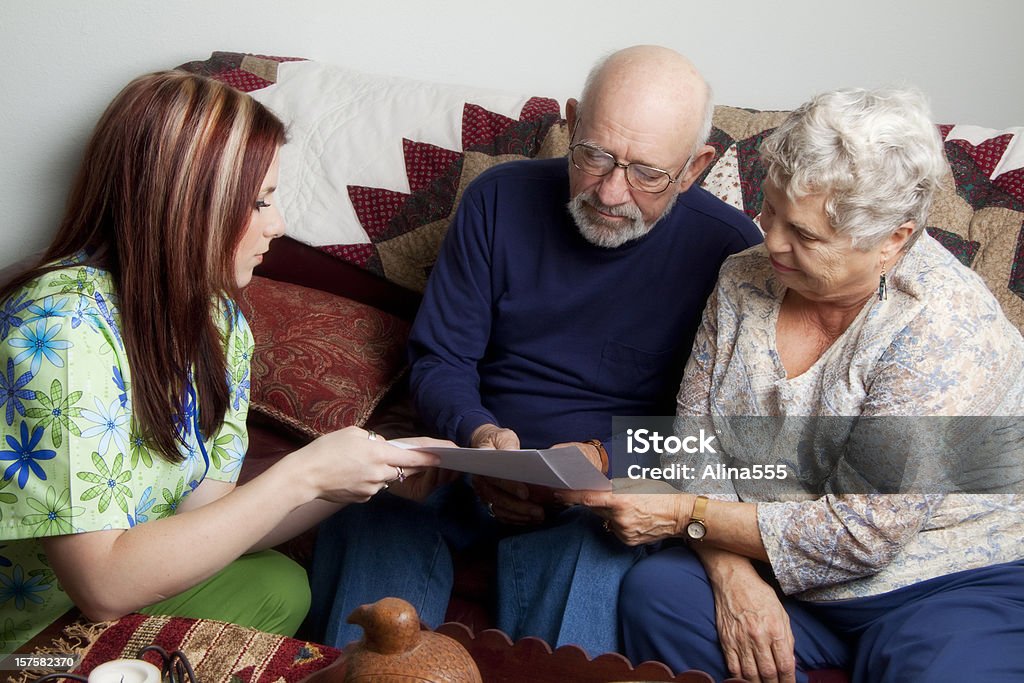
(696, 529)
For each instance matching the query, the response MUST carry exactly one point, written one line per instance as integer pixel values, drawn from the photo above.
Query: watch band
(697, 528)
(700, 506)
(601, 452)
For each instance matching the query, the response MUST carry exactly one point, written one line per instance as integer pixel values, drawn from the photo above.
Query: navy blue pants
(967, 626)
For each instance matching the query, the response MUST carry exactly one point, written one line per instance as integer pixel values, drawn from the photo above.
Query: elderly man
(564, 294)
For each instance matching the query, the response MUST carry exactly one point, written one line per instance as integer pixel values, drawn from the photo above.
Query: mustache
(627, 210)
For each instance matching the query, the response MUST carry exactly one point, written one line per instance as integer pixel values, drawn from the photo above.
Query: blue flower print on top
(142, 508)
(241, 389)
(111, 422)
(183, 423)
(24, 455)
(108, 317)
(192, 463)
(119, 383)
(84, 313)
(157, 487)
(10, 317)
(49, 309)
(233, 454)
(40, 342)
(232, 313)
(20, 589)
(12, 391)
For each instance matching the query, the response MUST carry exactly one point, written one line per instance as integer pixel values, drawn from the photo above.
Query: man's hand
(508, 501)
(493, 436)
(753, 627)
(590, 451)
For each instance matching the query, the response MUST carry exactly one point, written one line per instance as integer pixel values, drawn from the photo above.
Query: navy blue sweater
(526, 325)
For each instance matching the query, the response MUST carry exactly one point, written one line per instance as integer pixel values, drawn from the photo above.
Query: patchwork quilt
(376, 165)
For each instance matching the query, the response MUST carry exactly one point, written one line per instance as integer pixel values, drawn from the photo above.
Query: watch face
(696, 530)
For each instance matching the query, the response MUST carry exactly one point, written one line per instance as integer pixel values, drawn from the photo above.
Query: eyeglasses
(597, 162)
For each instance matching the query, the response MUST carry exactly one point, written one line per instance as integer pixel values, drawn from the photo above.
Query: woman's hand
(418, 486)
(753, 627)
(350, 467)
(100, 570)
(636, 518)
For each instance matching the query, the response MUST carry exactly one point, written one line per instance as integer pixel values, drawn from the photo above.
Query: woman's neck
(831, 317)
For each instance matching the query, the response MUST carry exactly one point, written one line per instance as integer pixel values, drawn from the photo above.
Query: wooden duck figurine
(395, 650)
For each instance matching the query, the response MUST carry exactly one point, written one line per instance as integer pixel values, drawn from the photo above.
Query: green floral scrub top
(71, 459)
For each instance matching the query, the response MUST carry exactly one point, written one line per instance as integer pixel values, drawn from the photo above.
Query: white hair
(875, 154)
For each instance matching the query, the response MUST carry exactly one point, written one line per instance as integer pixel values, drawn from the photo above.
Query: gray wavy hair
(875, 154)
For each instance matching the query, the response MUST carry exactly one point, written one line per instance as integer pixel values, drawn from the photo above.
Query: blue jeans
(967, 626)
(559, 581)
(387, 546)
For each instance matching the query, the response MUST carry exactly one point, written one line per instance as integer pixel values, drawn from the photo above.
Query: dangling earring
(882, 293)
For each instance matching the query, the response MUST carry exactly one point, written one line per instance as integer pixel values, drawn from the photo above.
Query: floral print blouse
(938, 345)
(70, 454)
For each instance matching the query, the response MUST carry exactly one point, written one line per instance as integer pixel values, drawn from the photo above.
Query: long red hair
(167, 185)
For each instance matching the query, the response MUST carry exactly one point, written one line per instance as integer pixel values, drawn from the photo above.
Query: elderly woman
(848, 309)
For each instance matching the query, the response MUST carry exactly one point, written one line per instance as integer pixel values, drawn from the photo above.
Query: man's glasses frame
(597, 162)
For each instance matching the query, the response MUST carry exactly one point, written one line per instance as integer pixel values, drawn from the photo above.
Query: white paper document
(559, 468)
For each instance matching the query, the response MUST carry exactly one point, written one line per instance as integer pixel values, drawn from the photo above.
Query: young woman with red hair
(124, 368)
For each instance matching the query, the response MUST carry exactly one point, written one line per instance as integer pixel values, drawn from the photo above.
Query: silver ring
(490, 509)
(384, 485)
(401, 473)
(607, 527)
(371, 435)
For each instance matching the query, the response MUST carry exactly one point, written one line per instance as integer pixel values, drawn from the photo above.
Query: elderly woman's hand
(636, 518)
(753, 627)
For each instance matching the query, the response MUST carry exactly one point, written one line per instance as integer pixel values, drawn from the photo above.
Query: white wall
(63, 60)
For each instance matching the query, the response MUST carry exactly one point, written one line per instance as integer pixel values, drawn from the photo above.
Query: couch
(372, 173)
(373, 170)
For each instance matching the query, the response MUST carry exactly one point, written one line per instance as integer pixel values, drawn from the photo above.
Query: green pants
(264, 590)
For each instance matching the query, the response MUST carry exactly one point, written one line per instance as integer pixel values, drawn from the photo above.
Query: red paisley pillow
(322, 362)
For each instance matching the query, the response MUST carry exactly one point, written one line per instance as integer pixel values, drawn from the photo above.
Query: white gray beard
(610, 234)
